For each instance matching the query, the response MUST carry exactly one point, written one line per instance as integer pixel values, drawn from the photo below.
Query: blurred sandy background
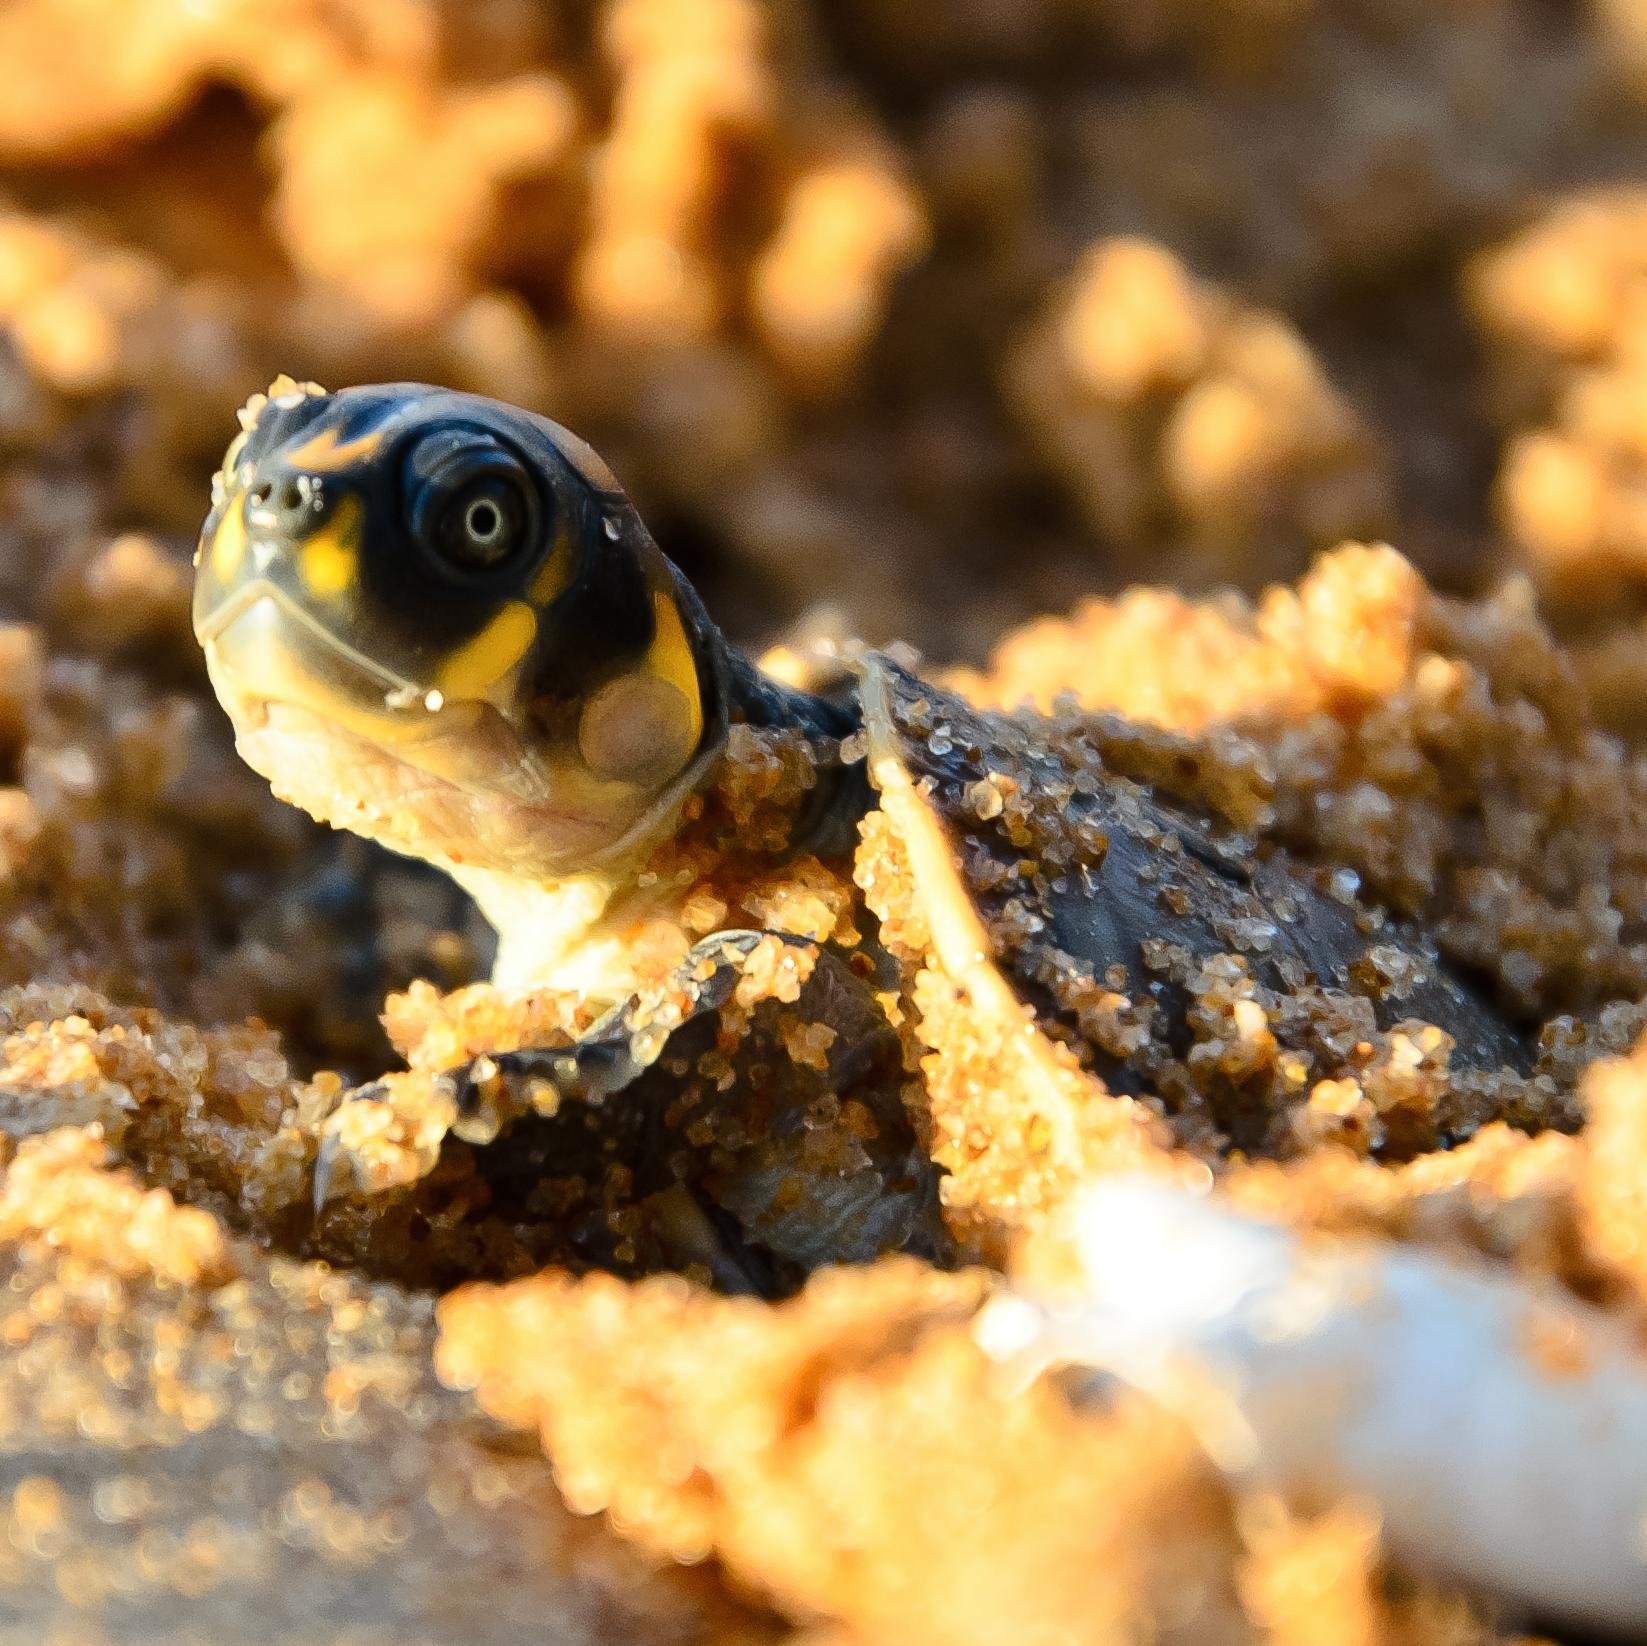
(942, 314)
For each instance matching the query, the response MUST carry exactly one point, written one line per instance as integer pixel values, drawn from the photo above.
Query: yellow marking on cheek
(552, 574)
(480, 663)
(329, 557)
(670, 658)
(322, 454)
(228, 545)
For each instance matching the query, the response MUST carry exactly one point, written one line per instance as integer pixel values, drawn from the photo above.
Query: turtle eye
(470, 502)
(482, 523)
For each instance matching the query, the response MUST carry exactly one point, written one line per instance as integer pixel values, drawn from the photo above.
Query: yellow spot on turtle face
(478, 665)
(328, 558)
(670, 658)
(322, 454)
(552, 574)
(228, 545)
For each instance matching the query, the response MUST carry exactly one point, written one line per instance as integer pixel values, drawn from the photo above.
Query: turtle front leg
(751, 1107)
(492, 1089)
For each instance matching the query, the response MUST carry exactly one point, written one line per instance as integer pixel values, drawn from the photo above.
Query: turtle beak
(261, 645)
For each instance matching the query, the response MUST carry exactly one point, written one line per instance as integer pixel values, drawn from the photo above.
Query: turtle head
(437, 621)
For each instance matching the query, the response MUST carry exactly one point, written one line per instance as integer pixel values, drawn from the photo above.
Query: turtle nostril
(286, 505)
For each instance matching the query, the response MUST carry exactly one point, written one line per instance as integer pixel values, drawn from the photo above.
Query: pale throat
(571, 932)
(560, 935)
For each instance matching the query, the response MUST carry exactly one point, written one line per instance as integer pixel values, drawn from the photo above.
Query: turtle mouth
(360, 747)
(265, 645)
(265, 652)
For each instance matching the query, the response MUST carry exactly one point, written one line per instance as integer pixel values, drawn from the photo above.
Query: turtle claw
(330, 1161)
(493, 1089)
(332, 1155)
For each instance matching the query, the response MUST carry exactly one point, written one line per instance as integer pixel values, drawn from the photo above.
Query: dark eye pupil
(483, 524)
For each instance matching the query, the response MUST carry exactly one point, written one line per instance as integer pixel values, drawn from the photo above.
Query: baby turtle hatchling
(438, 621)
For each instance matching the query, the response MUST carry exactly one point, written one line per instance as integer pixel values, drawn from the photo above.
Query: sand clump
(1560, 305)
(774, 1429)
(1183, 419)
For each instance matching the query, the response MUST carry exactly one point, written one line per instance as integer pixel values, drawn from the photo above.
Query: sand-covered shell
(1094, 965)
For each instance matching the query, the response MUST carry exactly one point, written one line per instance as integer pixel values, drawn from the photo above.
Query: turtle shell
(1178, 956)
